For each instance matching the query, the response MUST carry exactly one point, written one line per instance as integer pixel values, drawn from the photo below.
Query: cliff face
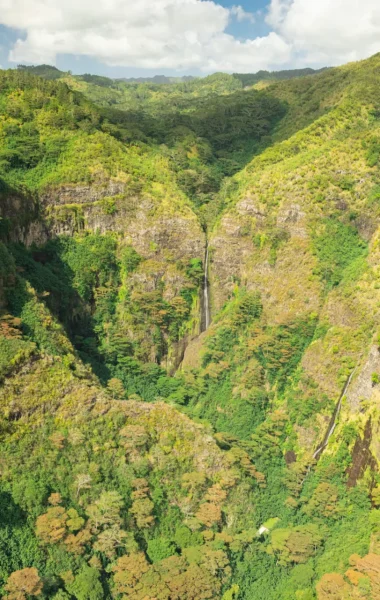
(19, 217)
(269, 240)
(299, 211)
(164, 232)
(152, 226)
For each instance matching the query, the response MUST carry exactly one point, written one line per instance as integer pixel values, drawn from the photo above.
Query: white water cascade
(206, 295)
(334, 418)
(331, 429)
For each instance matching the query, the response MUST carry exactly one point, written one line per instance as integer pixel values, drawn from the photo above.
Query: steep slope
(300, 232)
(78, 178)
(300, 227)
(107, 498)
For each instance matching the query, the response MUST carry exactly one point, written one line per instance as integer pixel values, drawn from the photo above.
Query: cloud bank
(192, 34)
(327, 31)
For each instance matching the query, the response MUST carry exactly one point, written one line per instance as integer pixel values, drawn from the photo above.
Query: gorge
(189, 319)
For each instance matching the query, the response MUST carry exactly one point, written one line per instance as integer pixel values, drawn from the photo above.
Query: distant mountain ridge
(247, 79)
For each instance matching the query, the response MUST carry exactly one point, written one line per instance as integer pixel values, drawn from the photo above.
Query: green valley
(145, 453)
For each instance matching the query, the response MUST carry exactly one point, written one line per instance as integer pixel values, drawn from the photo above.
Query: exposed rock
(363, 387)
(361, 457)
(21, 215)
(192, 358)
(290, 457)
(81, 194)
(248, 206)
(293, 218)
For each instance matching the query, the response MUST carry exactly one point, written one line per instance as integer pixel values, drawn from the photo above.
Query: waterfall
(206, 295)
(334, 418)
(331, 428)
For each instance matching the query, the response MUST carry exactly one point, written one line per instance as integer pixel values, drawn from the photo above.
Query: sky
(125, 38)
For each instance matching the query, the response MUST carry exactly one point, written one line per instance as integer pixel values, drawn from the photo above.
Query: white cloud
(175, 34)
(191, 34)
(241, 14)
(327, 31)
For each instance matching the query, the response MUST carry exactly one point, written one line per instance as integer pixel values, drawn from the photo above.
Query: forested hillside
(146, 453)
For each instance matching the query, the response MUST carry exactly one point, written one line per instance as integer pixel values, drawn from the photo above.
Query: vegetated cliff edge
(302, 231)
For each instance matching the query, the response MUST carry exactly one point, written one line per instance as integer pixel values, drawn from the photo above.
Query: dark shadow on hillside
(52, 279)
(17, 208)
(209, 139)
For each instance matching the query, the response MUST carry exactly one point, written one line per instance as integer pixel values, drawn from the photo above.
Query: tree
(74, 522)
(10, 327)
(216, 494)
(128, 571)
(324, 501)
(160, 548)
(209, 514)
(194, 583)
(105, 511)
(332, 587)
(55, 499)
(109, 540)
(61, 595)
(295, 545)
(86, 585)
(57, 439)
(361, 581)
(142, 505)
(24, 583)
(116, 388)
(51, 526)
(54, 526)
(75, 437)
(130, 259)
(376, 495)
(142, 509)
(232, 593)
(82, 482)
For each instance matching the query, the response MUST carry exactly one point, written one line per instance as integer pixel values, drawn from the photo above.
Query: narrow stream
(334, 418)
(206, 293)
(332, 425)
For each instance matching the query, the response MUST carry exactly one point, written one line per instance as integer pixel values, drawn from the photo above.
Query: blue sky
(146, 37)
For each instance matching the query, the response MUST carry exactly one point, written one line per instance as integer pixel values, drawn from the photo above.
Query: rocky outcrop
(145, 222)
(81, 194)
(361, 457)
(19, 217)
(365, 387)
(268, 253)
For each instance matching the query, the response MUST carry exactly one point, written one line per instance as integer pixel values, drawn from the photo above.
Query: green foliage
(45, 71)
(7, 264)
(373, 152)
(304, 399)
(336, 246)
(160, 548)
(86, 585)
(249, 79)
(129, 259)
(295, 546)
(109, 497)
(13, 351)
(190, 134)
(19, 547)
(282, 351)
(185, 538)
